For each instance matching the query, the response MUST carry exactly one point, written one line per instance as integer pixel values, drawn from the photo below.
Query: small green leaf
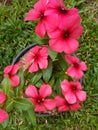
(6, 85)
(47, 72)
(36, 77)
(23, 104)
(9, 105)
(38, 40)
(52, 53)
(19, 88)
(30, 116)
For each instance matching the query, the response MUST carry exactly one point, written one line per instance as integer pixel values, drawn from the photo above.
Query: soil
(6, 2)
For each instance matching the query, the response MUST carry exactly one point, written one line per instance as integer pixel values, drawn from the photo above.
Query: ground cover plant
(15, 34)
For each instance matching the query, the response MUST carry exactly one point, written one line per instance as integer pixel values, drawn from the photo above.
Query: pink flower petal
(57, 45)
(3, 115)
(63, 108)
(83, 66)
(65, 85)
(77, 73)
(60, 101)
(40, 29)
(33, 100)
(50, 104)
(7, 69)
(41, 5)
(32, 15)
(55, 34)
(15, 69)
(75, 106)
(49, 22)
(43, 63)
(75, 34)
(31, 91)
(45, 90)
(43, 52)
(72, 22)
(71, 45)
(35, 50)
(2, 97)
(71, 59)
(29, 57)
(70, 97)
(15, 80)
(78, 84)
(40, 108)
(33, 67)
(73, 11)
(81, 95)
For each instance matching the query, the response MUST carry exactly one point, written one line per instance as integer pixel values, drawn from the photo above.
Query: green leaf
(36, 77)
(52, 53)
(9, 105)
(47, 72)
(38, 40)
(6, 85)
(30, 116)
(23, 104)
(62, 62)
(19, 88)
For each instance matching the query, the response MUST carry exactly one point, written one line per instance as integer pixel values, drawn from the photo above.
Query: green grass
(15, 34)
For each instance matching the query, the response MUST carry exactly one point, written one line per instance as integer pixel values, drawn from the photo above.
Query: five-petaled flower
(73, 92)
(76, 69)
(38, 56)
(10, 71)
(46, 21)
(39, 98)
(63, 105)
(65, 40)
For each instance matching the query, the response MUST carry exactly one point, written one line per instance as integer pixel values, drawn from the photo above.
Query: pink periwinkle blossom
(39, 97)
(2, 97)
(76, 69)
(38, 57)
(58, 7)
(46, 21)
(65, 40)
(73, 92)
(11, 71)
(63, 105)
(3, 115)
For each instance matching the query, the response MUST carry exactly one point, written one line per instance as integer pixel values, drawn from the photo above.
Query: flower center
(36, 57)
(42, 15)
(62, 10)
(40, 100)
(76, 65)
(74, 87)
(66, 34)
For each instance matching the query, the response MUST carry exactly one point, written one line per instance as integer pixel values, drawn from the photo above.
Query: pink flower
(38, 56)
(63, 105)
(58, 7)
(3, 115)
(10, 71)
(38, 98)
(66, 39)
(76, 69)
(73, 92)
(46, 21)
(2, 97)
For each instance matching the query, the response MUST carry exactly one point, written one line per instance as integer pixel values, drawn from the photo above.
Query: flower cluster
(49, 73)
